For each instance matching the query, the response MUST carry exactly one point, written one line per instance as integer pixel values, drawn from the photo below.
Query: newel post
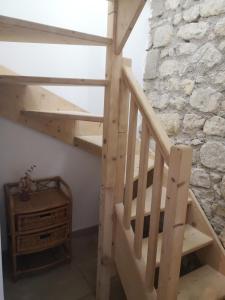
(174, 221)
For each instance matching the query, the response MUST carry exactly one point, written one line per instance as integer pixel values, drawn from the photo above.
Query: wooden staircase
(151, 225)
(176, 229)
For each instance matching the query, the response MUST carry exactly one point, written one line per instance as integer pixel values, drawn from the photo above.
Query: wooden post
(174, 221)
(109, 162)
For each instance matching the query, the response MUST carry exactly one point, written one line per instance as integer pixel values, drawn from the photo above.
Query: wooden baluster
(122, 137)
(130, 163)
(142, 183)
(155, 217)
(174, 221)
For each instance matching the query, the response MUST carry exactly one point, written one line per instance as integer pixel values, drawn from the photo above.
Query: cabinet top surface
(39, 201)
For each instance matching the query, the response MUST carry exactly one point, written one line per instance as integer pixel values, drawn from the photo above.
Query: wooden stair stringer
(131, 270)
(20, 97)
(214, 255)
(193, 241)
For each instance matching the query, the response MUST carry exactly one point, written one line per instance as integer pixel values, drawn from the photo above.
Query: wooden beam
(37, 80)
(16, 30)
(128, 12)
(63, 115)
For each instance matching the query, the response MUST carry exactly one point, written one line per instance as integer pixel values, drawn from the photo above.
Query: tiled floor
(75, 281)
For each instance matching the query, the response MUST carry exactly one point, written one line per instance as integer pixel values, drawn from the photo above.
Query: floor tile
(74, 281)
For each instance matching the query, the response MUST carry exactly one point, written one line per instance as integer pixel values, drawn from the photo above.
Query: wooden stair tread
(38, 80)
(93, 143)
(90, 143)
(72, 115)
(148, 202)
(17, 30)
(193, 241)
(204, 283)
(136, 165)
(94, 139)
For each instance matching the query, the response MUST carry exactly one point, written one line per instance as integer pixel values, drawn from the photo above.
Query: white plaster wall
(60, 60)
(19, 146)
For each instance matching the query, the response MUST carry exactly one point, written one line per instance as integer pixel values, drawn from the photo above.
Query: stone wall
(185, 82)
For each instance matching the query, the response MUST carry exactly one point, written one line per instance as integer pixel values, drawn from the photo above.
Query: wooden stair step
(90, 143)
(38, 80)
(193, 241)
(94, 143)
(204, 283)
(148, 202)
(17, 30)
(72, 115)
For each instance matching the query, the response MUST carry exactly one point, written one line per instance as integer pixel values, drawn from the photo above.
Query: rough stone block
(158, 101)
(212, 8)
(187, 85)
(162, 36)
(222, 187)
(206, 57)
(193, 31)
(193, 122)
(205, 100)
(212, 155)
(167, 52)
(171, 123)
(191, 14)
(215, 126)
(199, 177)
(177, 19)
(220, 27)
(168, 68)
(152, 61)
(172, 4)
(158, 7)
(177, 103)
(185, 48)
(215, 177)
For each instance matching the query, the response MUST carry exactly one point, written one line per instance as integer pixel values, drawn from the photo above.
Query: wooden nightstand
(39, 229)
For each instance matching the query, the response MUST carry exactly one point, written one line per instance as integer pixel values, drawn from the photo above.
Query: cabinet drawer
(42, 240)
(42, 219)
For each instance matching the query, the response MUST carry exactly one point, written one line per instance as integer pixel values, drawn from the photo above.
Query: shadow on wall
(20, 147)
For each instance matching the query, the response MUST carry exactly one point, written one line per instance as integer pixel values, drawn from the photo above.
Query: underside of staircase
(152, 229)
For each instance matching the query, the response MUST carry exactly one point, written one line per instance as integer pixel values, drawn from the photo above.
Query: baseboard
(85, 231)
